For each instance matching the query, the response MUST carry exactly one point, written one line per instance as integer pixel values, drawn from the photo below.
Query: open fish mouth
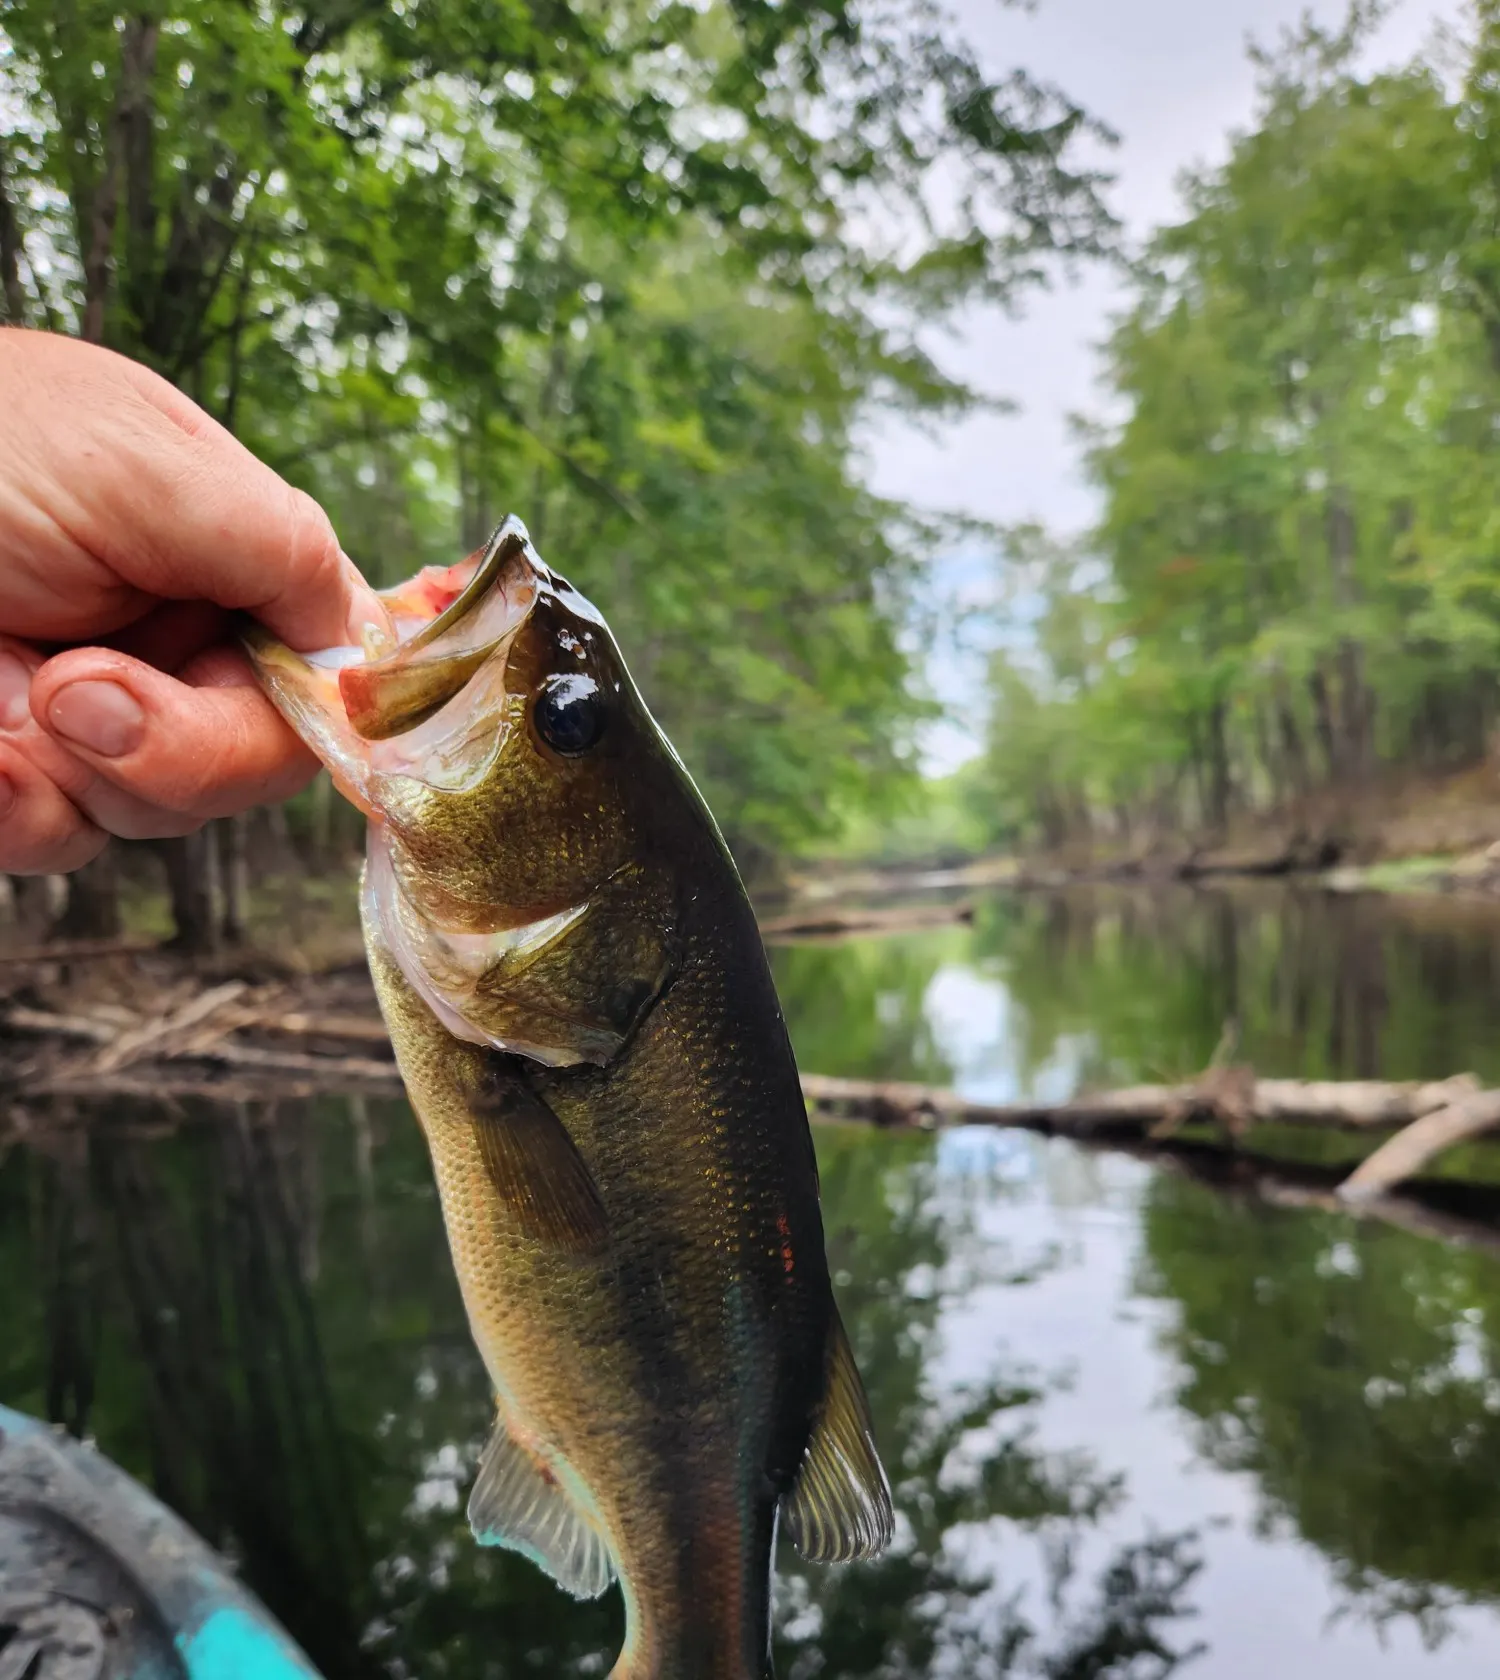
(389, 707)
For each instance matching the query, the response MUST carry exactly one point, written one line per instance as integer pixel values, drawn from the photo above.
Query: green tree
(1293, 581)
(593, 263)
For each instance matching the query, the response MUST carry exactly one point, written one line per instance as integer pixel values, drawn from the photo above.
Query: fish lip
(331, 697)
(508, 542)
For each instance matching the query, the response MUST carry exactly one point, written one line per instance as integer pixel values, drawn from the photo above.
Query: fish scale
(586, 1024)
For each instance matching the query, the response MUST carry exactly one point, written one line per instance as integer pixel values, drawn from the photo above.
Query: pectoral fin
(840, 1507)
(518, 1504)
(535, 1167)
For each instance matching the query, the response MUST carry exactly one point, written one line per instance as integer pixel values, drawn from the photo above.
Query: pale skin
(132, 527)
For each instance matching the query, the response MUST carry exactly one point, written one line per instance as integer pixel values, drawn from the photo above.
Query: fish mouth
(387, 708)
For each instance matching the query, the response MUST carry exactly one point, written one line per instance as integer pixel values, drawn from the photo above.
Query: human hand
(132, 523)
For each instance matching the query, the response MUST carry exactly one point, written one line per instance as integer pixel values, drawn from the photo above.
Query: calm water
(1137, 1427)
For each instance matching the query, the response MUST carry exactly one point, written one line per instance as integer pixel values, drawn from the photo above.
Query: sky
(1173, 79)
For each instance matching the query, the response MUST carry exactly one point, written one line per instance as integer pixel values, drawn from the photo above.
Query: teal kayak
(99, 1581)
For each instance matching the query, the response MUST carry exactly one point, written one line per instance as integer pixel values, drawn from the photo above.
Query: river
(1137, 1426)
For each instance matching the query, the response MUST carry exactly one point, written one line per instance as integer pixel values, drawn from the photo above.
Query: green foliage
(1295, 579)
(593, 263)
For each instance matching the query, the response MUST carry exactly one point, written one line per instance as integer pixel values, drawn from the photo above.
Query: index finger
(151, 486)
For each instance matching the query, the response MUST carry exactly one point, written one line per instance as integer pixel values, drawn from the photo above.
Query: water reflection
(1373, 1432)
(1132, 1420)
(255, 1313)
(1322, 986)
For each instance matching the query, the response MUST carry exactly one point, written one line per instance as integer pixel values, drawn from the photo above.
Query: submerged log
(1467, 1216)
(1431, 1117)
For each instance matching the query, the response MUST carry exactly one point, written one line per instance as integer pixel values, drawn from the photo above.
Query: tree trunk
(191, 865)
(11, 289)
(1293, 754)
(236, 877)
(1317, 686)
(322, 817)
(122, 146)
(1218, 766)
(1355, 703)
(475, 492)
(39, 901)
(93, 910)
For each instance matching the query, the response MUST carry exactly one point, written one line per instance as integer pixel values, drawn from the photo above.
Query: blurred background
(639, 274)
(997, 429)
(1011, 444)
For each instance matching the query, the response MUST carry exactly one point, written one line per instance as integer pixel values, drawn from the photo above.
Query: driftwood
(67, 950)
(233, 1037)
(1469, 1115)
(1431, 1116)
(810, 927)
(141, 1043)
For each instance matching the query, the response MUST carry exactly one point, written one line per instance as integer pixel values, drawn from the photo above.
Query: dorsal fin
(517, 1504)
(840, 1507)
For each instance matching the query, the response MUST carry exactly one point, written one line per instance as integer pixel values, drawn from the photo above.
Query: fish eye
(569, 713)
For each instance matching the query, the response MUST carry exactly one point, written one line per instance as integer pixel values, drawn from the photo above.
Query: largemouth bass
(585, 1021)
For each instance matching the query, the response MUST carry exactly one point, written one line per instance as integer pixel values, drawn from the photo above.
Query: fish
(586, 1024)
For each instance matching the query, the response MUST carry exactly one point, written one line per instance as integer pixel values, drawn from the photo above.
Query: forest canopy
(1294, 583)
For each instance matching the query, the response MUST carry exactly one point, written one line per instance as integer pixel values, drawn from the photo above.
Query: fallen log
(1470, 1115)
(198, 1045)
(67, 950)
(1431, 1116)
(810, 927)
(1360, 1105)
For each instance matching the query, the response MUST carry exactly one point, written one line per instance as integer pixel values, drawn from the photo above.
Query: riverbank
(1400, 834)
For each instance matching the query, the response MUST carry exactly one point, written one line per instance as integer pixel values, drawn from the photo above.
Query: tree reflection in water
(1354, 1372)
(254, 1311)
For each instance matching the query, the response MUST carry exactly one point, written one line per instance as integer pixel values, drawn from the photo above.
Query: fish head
(509, 767)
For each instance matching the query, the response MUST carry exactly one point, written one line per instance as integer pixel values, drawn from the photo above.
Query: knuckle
(202, 780)
(195, 777)
(316, 559)
(42, 833)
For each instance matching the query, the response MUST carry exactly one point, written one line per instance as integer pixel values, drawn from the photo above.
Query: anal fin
(839, 1509)
(516, 1503)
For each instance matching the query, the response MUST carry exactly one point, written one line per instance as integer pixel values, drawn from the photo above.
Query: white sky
(1171, 77)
